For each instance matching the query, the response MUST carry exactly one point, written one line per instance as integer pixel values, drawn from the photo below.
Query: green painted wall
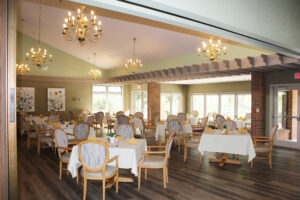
(64, 64)
(232, 87)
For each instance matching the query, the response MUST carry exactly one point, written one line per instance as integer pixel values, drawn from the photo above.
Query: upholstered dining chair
(229, 124)
(109, 122)
(90, 120)
(156, 160)
(44, 137)
(99, 116)
(171, 117)
(119, 113)
(139, 115)
(81, 131)
(123, 119)
(151, 125)
(264, 145)
(175, 125)
(53, 117)
(31, 132)
(94, 157)
(63, 149)
(219, 120)
(190, 141)
(125, 130)
(182, 117)
(24, 127)
(200, 127)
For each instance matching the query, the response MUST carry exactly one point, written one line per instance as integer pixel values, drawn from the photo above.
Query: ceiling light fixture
(22, 68)
(133, 65)
(94, 73)
(39, 57)
(80, 28)
(212, 50)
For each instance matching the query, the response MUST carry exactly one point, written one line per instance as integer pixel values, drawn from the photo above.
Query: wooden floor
(38, 179)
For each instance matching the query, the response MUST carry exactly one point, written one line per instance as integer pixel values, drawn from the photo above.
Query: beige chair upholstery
(94, 157)
(122, 119)
(125, 130)
(99, 116)
(156, 160)
(81, 131)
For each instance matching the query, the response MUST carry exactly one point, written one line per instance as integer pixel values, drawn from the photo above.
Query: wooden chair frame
(110, 122)
(74, 134)
(179, 135)
(185, 140)
(102, 168)
(216, 123)
(164, 167)
(41, 133)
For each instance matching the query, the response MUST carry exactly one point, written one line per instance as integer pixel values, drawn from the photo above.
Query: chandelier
(133, 65)
(39, 57)
(21, 68)
(212, 50)
(81, 28)
(94, 73)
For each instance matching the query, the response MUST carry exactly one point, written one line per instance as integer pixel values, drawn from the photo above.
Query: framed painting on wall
(25, 99)
(56, 99)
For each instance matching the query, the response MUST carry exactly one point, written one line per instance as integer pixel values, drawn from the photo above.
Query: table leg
(224, 160)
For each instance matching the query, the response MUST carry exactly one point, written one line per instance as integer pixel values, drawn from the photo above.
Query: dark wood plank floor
(38, 179)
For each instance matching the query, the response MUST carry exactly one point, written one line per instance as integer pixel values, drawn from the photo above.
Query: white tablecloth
(37, 119)
(137, 124)
(161, 129)
(129, 156)
(241, 123)
(234, 144)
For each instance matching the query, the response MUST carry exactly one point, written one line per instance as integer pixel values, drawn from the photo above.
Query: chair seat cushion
(109, 171)
(65, 157)
(154, 161)
(191, 144)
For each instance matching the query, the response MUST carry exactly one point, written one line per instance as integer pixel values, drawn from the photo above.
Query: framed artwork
(25, 99)
(56, 99)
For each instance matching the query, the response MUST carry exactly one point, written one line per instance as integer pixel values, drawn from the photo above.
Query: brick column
(153, 101)
(258, 103)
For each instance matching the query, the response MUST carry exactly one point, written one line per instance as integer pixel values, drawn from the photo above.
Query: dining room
(149, 100)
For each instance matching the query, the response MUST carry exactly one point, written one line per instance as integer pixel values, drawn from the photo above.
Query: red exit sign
(297, 75)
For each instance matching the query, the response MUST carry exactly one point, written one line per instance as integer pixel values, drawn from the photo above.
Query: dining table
(232, 142)
(129, 156)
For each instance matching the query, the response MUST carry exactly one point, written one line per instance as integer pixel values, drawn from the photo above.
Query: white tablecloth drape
(161, 129)
(241, 123)
(129, 156)
(234, 143)
(37, 119)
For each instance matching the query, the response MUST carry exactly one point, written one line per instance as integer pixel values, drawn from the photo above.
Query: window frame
(171, 101)
(142, 99)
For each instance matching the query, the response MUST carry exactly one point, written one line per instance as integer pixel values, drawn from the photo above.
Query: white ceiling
(153, 43)
(212, 80)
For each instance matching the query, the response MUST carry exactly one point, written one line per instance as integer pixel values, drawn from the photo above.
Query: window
(212, 103)
(244, 104)
(140, 102)
(227, 105)
(198, 104)
(107, 98)
(170, 104)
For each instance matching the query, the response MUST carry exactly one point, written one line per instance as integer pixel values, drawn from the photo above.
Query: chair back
(182, 117)
(122, 119)
(139, 115)
(273, 133)
(229, 124)
(204, 122)
(107, 115)
(169, 144)
(90, 120)
(53, 117)
(219, 121)
(93, 155)
(125, 130)
(81, 131)
(119, 113)
(61, 140)
(195, 113)
(99, 117)
(248, 116)
(171, 117)
(24, 126)
(174, 125)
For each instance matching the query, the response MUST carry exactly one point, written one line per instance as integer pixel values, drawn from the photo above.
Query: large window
(170, 103)
(139, 102)
(228, 105)
(107, 98)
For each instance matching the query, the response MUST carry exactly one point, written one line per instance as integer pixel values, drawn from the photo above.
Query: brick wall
(258, 102)
(153, 101)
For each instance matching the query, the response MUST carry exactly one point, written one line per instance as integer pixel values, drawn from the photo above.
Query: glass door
(286, 110)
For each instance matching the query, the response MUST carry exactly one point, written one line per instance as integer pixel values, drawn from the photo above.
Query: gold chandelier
(212, 50)
(81, 28)
(133, 65)
(22, 68)
(39, 57)
(94, 73)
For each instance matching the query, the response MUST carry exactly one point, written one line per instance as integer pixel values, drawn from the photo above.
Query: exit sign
(297, 75)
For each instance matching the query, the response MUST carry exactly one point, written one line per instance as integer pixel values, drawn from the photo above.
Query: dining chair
(99, 116)
(81, 131)
(171, 117)
(219, 121)
(86, 112)
(264, 145)
(123, 119)
(119, 113)
(94, 157)
(63, 149)
(150, 126)
(248, 116)
(72, 116)
(229, 124)
(109, 122)
(44, 137)
(125, 130)
(90, 120)
(31, 133)
(156, 160)
(195, 113)
(24, 127)
(53, 117)
(190, 141)
(200, 127)
(139, 115)
(182, 117)
(175, 125)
